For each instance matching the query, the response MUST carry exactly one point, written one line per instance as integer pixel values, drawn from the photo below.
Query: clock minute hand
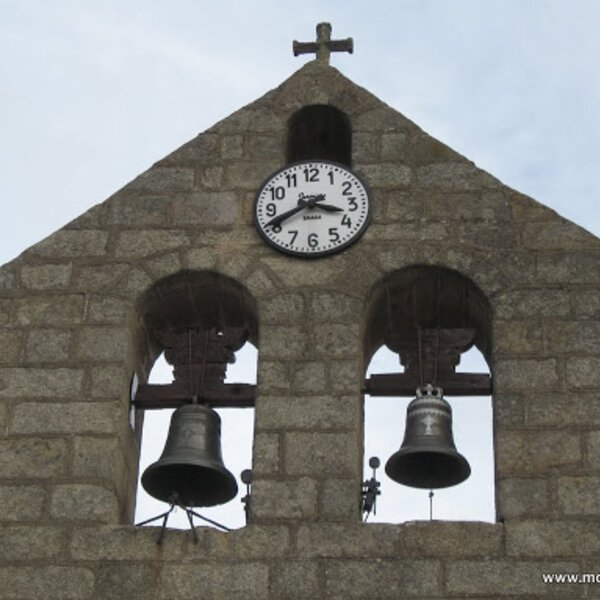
(283, 216)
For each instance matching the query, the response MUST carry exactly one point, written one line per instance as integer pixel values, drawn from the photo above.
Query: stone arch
(319, 131)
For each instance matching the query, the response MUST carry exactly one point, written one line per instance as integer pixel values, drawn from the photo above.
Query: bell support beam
(400, 384)
(229, 395)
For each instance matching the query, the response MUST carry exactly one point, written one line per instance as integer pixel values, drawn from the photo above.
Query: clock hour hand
(329, 207)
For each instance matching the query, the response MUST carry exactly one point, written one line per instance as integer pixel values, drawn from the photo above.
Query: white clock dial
(312, 208)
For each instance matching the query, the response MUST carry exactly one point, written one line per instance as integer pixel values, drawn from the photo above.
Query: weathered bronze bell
(428, 457)
(190, 471)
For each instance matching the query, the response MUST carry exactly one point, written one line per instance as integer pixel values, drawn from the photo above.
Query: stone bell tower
(442, 246)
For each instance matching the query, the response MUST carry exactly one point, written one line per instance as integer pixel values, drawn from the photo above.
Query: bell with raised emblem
(428, 457)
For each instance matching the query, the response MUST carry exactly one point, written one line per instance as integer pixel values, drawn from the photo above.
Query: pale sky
(95, 92)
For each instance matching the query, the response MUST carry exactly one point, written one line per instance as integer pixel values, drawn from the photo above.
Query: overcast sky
(94, 92)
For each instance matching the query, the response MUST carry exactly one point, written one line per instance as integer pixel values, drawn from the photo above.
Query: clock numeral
(294, 234)
(330, 175)
(271, 210)
(346, 187)
(353, 204)
(347, 221)
(313, 240)
(277, 193)
(334, 236)
(291, 179)
(276, 229)
(311, 174)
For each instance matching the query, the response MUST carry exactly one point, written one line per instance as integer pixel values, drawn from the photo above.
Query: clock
(312, 208)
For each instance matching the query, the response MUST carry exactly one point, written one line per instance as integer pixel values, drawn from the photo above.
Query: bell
(428, 458)
(190, 471)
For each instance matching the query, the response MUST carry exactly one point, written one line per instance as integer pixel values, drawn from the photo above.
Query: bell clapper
(246, 477)
(370, 490)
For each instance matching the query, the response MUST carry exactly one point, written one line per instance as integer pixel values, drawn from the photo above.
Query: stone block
(578, 496)
(500, 578)
(107, 310)
(573, 337)
(320, 454)
(385, 175)
(30, 543)
(509, 409)
(410, 232)
(424, 150)
(254, 542)
(48, 345)
(301, 273)
(249, 175)
(163, 266)
(250, 119)
(339, 500)
(127, 580)
(99, 277)
(566, 409)
(83, 502)
(439, 539)
(5, 311)
(295, 499)
(201, 258)
(559, 234)
(260, 283)
(265, 453)
(273, 376)
(46, 277)
(526, 374)
(73, 417)
(283, 309)
(298, 579)
(32, 458)
(232, 146)
(532, 304)
(122, 543)
(345, 376)
(336, 340)
(593, 450)
(282, 342)
(95, 458)
(72, 243)
(521, 497)
(568, 268)
(241, 581)
(401, 206)
(518, 337)
(203, 147)
(35, 582)
(21, 503)
(209, 177)
(309, 377)
(522, 452)
(140, 243)
(163, 180)
(586, 304)
(8, 277)
(264, 146)
(545, 538)
(365, 147)
(138, 211)
(394, 146)
(451, 176)
(310, 413)
(347, 540)
(583, 373)
(110, 381)
(103, 344)
(40, 383)
(50, 310)
(209, 209)
(10, 345)
(382, 119)
(382, 579)
(332, 307)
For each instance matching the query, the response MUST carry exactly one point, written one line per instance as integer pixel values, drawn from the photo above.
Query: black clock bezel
(359, 233)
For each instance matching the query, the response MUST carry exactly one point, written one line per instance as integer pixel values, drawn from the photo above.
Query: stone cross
(324, 45)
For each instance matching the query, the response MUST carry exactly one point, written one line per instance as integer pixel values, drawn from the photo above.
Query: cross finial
(324, 45)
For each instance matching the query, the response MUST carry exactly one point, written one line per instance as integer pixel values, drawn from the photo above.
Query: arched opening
(430, 325)
(198, 332)
(319, 132)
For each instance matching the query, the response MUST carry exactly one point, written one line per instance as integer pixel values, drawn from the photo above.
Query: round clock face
(312, 208)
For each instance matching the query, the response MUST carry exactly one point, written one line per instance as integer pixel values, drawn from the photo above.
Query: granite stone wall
(70, 339)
